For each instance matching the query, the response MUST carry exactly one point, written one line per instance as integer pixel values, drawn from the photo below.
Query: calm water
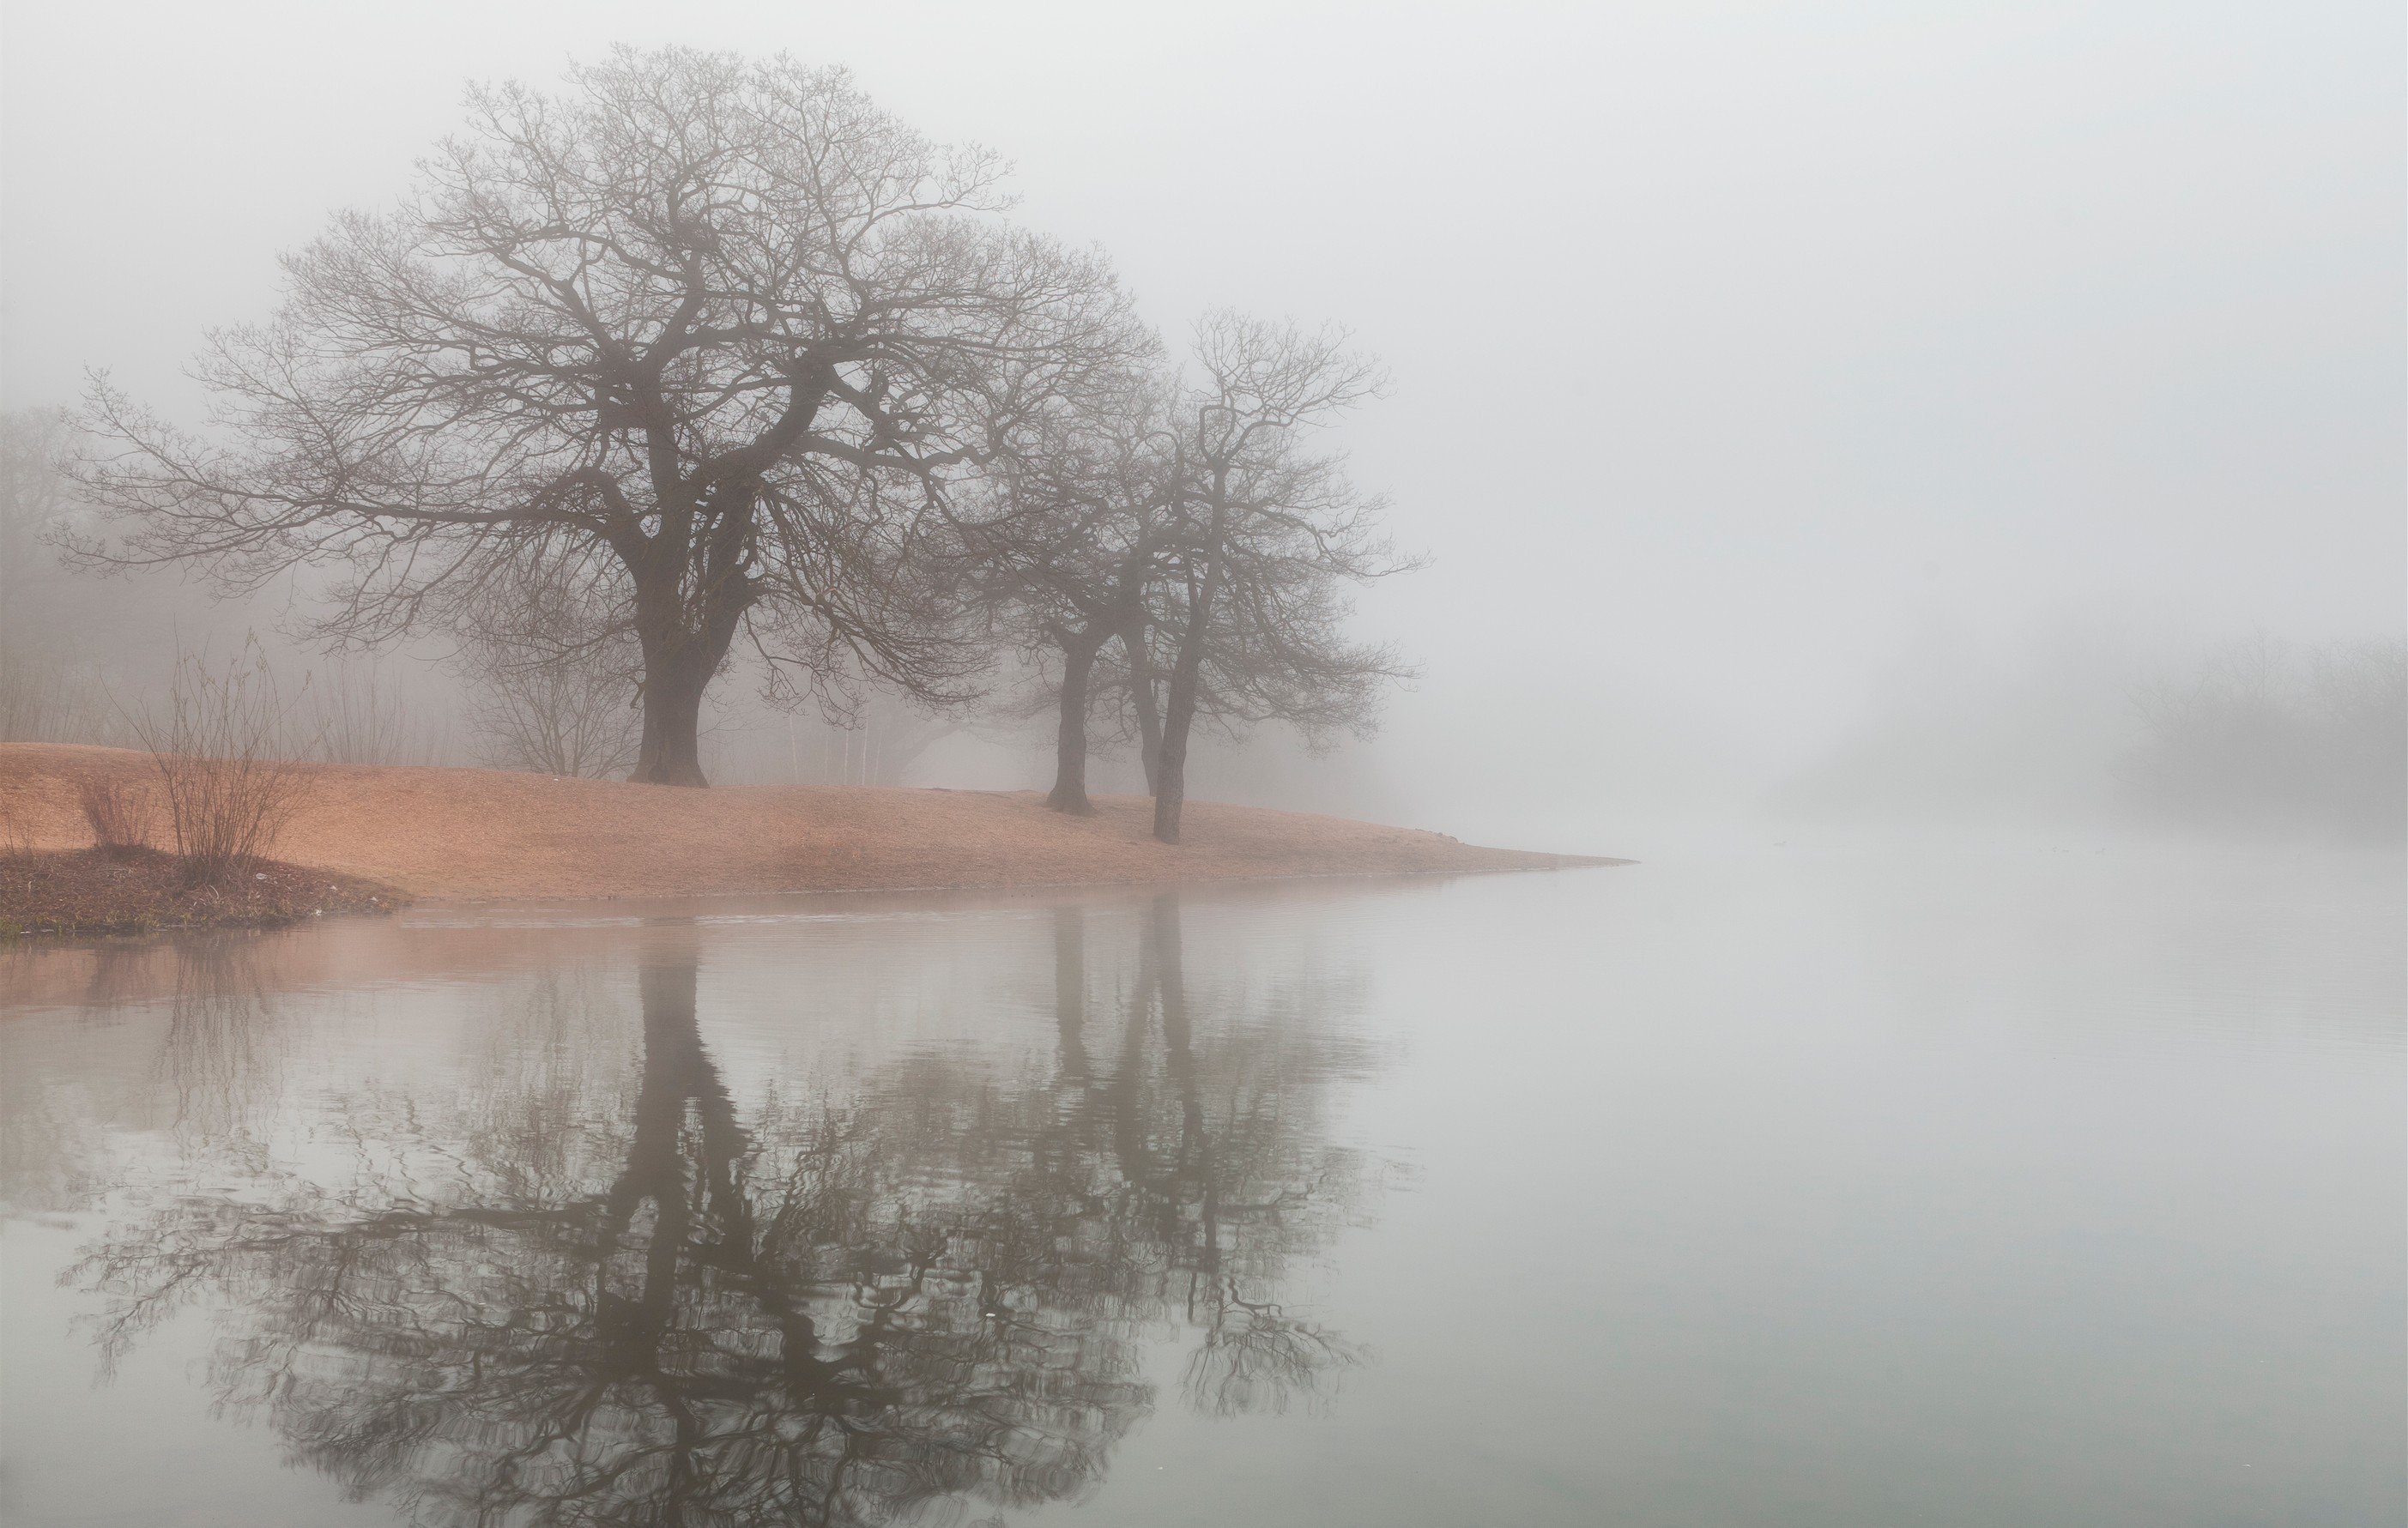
(1968, 1183)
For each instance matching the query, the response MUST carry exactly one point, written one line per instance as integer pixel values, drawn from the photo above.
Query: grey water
(2011, 1180)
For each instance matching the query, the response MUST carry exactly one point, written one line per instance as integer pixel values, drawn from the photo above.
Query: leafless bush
(559, 713)
(223, 754)
(120, 813)
(359, 717)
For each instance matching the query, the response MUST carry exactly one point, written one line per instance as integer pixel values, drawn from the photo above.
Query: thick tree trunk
(1070, 740)
(671, 751)
(685, 638)
(691, 594)
(1144, 695)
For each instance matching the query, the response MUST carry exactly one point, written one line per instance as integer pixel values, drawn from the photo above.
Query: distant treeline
(2255, 733)
(2260, 732)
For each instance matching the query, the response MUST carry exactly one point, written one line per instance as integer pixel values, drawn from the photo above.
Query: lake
(1847, 1181)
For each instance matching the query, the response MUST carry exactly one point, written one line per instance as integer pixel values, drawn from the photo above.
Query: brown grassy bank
(89, 892)
(478, 835)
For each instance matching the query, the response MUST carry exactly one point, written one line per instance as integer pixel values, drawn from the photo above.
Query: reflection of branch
(1254, 1359)
(210, 1052)
(829, 1314)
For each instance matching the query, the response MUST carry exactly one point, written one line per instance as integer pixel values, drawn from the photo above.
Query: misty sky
(1738, 348)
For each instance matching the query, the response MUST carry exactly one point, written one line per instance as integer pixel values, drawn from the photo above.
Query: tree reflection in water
(933, 1293)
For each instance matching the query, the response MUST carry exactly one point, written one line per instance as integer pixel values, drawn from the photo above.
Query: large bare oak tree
(706, 333)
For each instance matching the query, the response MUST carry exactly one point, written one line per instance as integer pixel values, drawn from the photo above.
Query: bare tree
(1277, 651)
(1190, 525)
(1073, 531)
(708, 332)
(1267, 531)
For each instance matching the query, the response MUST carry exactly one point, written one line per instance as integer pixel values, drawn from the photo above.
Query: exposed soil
(478, 835)
(88, 892)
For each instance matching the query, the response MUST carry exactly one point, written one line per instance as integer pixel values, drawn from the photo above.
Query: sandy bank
(481, 834)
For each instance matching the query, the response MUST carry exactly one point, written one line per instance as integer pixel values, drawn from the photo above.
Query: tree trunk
(1170, 770)
(671, 751)
(1179, 712)
(1149, 712)
(1071, 743)
(692, 591)
(685, 638)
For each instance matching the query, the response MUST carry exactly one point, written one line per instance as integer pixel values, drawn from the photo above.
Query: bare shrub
(556, 716)
(119, 812)
(222, 750)
(359, 717)
(553, 674)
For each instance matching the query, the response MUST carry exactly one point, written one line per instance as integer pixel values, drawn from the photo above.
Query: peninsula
(481, 834)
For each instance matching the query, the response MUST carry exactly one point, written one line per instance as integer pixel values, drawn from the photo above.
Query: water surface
(2014, 1182)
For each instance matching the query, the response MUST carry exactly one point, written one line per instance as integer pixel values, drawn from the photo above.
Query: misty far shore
(482, 834)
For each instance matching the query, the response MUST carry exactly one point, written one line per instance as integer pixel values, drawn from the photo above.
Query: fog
(1828, 413)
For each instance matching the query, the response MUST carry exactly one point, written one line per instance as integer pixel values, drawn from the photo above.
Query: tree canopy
(698, 354)
(709, 330)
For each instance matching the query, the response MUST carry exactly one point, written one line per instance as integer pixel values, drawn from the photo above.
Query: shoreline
(97, 894)
(476, 836)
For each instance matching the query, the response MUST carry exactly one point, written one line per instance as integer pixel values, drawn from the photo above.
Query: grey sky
(1737, 346)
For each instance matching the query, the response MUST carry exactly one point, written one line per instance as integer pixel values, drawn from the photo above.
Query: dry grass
(483, 834)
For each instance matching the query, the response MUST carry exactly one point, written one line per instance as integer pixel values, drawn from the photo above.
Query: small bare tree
(223, 754)
(1267, 533)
